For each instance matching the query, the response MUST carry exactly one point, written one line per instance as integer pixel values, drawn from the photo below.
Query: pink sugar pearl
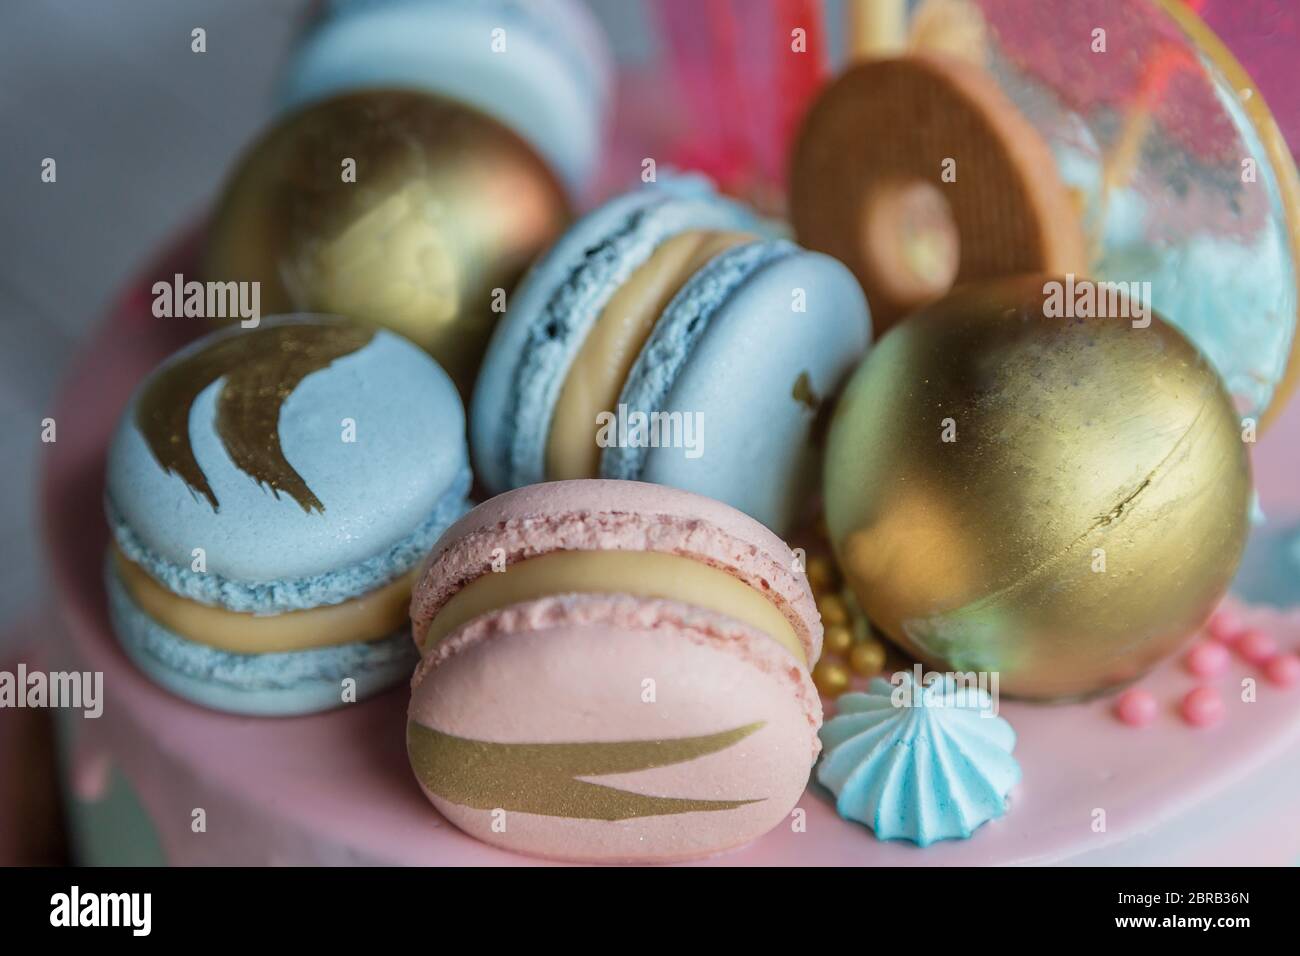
(1256, 646)
(1136, 707)
(1207, 660)
(1283, 670)
(1202, 707)
(1224, 627)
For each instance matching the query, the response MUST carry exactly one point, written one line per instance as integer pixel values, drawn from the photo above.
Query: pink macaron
(613, 671)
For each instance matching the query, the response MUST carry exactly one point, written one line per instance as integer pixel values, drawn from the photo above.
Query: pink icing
(1256, 646)
(1224, 627)
(1283, 670)
(604, 515)
(1202, 707)
(1207, 659)
(1136, 707)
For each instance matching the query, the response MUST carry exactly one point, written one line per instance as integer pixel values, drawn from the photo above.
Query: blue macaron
(540, 67)
(726, 384)
(270, 492)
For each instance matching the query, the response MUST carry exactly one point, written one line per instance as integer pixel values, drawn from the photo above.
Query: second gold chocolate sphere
(1059, 500)
(399, 209)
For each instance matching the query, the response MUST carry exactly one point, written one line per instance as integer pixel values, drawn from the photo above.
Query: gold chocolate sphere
(398, 209)
(1059, 500)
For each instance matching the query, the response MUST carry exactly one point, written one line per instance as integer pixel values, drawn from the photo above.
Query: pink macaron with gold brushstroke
(613, 671)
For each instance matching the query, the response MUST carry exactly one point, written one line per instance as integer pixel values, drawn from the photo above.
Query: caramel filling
(605, 359)
(366, 618)
(648, 574)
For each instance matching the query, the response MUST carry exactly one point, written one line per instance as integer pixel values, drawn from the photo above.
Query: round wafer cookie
(919, 174)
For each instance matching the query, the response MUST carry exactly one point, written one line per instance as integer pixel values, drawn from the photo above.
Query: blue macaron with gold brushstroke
(270, 493)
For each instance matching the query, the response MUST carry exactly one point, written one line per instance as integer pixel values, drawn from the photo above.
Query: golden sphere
(830, 678)
(838, 639)
(1060, 500)
(867, 659)
(395, 208)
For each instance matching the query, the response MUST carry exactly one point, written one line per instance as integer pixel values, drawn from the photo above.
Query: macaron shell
(552, 84)
(598, 514)
(408, 454)
(750, 378)
(592, 670)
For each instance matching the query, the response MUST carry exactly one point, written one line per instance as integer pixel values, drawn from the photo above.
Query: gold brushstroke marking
(803, 392)
(261, 368)
(542, 778)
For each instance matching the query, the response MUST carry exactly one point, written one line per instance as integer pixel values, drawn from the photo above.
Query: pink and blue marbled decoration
(743, 78)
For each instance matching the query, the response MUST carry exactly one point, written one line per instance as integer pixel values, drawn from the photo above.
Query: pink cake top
(282, 788)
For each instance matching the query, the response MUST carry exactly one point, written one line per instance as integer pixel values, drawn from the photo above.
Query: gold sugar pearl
(838, 640)
(831, 678)
(867, 658)
(832, 610)
(822, 575)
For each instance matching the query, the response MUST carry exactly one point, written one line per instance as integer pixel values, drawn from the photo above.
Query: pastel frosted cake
(139, 771)
(501, 717)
